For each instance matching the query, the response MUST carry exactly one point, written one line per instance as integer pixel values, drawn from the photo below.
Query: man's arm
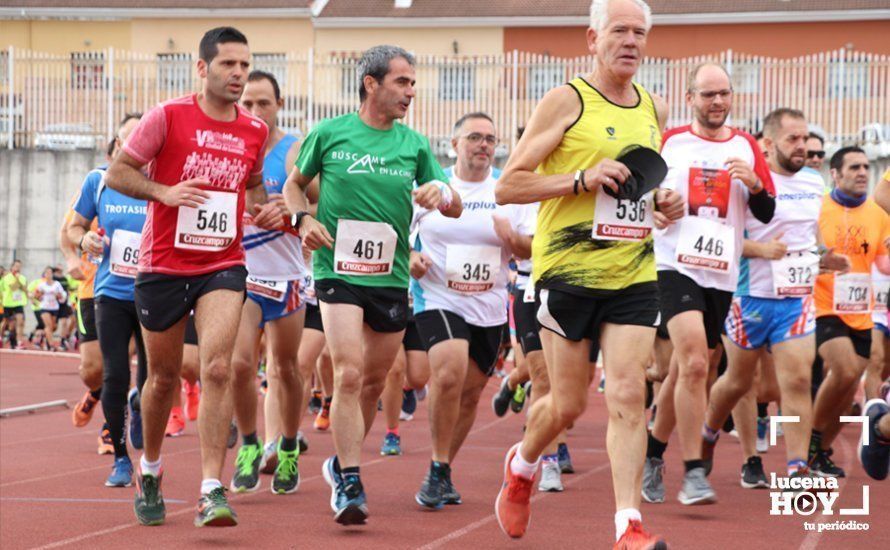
(79, 232)
(882, 192)
(313, 232)
(69, 248)
(125, 176)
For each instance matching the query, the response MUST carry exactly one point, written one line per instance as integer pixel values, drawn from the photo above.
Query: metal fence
(74, 101)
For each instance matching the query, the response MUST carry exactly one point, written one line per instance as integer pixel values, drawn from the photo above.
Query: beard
(791, 164)
(709, 123)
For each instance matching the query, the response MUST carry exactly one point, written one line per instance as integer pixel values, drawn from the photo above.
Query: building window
(274, 63)
(87, 70)
(175, 71)
(542, 78)
(457, 83)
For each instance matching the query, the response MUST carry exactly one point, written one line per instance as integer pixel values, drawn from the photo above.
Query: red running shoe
(634, 538)
(513, 507)
(192, 400)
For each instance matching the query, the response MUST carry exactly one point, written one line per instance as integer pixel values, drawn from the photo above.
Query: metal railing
(74, 101)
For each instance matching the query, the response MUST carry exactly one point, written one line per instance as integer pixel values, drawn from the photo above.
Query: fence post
(10, 97)
(514, 100)
(840, 80)
(109, 90)
(310, 96)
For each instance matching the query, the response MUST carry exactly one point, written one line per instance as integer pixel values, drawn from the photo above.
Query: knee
(243, 371)
(846, 376)
(164, 381)
(625, 396)
(348, 379)
(286, 371)
(799, 383)
(695, 369)
(447, 379)
(568, 409)
(217, 373)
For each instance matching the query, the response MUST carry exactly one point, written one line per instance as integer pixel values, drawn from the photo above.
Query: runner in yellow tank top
(593, 292)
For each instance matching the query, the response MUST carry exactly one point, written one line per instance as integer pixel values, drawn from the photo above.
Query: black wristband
(583, 183)
(579, 176)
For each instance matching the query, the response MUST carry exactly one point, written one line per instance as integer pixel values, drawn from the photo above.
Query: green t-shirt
(32, 286)
(14, 290)
(367, 175)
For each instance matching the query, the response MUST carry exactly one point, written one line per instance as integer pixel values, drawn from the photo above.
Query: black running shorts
(438, 325)
(385, 308)
(86, 320)
(678, 294)
(830, 327)
(313, 318)
(526, 325)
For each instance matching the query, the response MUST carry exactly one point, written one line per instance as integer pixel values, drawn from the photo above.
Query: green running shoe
(519, 395)
(247, 468)
(287, 474)
(149, 502)
(214, 510)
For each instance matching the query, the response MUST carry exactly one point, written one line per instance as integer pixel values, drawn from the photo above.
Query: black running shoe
(409, 401)
(822, 465)
(432, 489)
(315, 402)
(753, 476)
(233, 436)
(501, 400)
(450, 496)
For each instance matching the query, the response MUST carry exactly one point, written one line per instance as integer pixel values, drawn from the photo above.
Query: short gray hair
(375, 63)
(599, 14)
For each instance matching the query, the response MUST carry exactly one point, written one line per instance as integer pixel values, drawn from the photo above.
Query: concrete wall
(36, 189)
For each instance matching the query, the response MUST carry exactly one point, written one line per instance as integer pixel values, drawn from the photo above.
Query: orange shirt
(88, 268)
(859, 233)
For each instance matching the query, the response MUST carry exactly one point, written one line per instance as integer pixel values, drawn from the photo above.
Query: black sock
(288, 443)
(763, 410)
(337, 465)
(655, 448)
(351, 471)
(441, 467)
(96, 394)
(692, 464)
(249, 439)
(815, 441)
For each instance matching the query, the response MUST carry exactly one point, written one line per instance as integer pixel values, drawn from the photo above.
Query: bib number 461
(368, 250)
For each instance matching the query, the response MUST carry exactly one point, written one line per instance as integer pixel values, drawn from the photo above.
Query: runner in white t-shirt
(878, 368)
(721, 174)
(773, 307)
(460, 274)
(50, 293)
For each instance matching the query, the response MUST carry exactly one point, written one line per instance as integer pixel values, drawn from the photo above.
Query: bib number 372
(364, 248)
(209, 227)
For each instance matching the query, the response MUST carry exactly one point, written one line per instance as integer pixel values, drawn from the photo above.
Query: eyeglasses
(816, 154)
(476, 138)
(710, 95)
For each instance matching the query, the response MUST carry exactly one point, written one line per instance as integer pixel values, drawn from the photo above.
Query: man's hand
(670, 207)
(832, 261)
(775, 249)
(75, 268)
(186, 193)
(607, 172)
(741, 170)
(314, 234)
(271, 215)
(419, 264)
(428, 195)
(93, 243)
(503, 229)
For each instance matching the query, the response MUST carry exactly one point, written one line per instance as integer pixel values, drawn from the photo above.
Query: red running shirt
(178, 142)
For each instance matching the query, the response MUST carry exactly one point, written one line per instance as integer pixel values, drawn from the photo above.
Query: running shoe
(332, 477)
(83, 411)
(551, 477)
(753, 476)
(214, 510)
(247, 468)
(450, 496)
(391, 445)
(405, 417)
(421, 393)
(269, 461)
(133, 402)
(106, 445)
(287, 475)
(351, 504)
(565, 459)
(233, 436)
(653, 480)
(601, 387)
(121, 473)
(432, 489)
(696, 489)
(175, 424)
(149, 501)
(500, 403)
(707, 453)
(762, 434)
(323, 420)
(302, 442)
(315, 402)
(822, 465)
(875, 457)
(635, 538)
(409, 401)
(192, 400)
(513, 506)
(517, 402)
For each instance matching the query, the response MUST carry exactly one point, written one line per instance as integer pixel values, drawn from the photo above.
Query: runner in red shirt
(204, 157)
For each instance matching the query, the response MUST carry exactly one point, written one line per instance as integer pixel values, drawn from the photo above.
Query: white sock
(520, 467)
(153, 468)
(622, 520)
(208, 485)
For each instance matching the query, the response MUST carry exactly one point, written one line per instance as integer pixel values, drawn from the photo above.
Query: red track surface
(52, 492)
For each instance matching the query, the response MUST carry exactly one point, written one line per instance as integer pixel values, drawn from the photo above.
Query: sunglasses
(816, 154)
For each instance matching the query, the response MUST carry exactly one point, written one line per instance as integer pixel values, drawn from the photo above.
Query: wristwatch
(297, 218)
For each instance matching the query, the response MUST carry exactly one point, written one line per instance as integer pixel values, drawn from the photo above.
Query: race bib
(274, 290)
(881, 289)
(471, 269)
(125, 253)
(529, 295)
(795, 274)
(708, 192)
(18, 295)
(364, 248)
(852, 293)
(211, 226)
(706, 244)
(622, 219)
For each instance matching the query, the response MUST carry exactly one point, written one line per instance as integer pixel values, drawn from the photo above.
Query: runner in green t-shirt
(369, 169)
(15, 297)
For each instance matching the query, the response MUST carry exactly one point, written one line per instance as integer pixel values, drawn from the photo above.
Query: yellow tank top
(565, 256)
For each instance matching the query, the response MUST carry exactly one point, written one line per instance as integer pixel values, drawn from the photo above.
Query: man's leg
(164, 352)
(448, 362)
(474, 383)
(730, 388)
(793, 360)
(391, 398)
(690, 395)
(877, 364)
(311, 346)
(380, 350)
(244, 368)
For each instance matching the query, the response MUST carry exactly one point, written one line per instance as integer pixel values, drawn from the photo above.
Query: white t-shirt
(880, 286)
(526, 227)
(697, 170)
(798, 203)
(469, 271)
(49, 299)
